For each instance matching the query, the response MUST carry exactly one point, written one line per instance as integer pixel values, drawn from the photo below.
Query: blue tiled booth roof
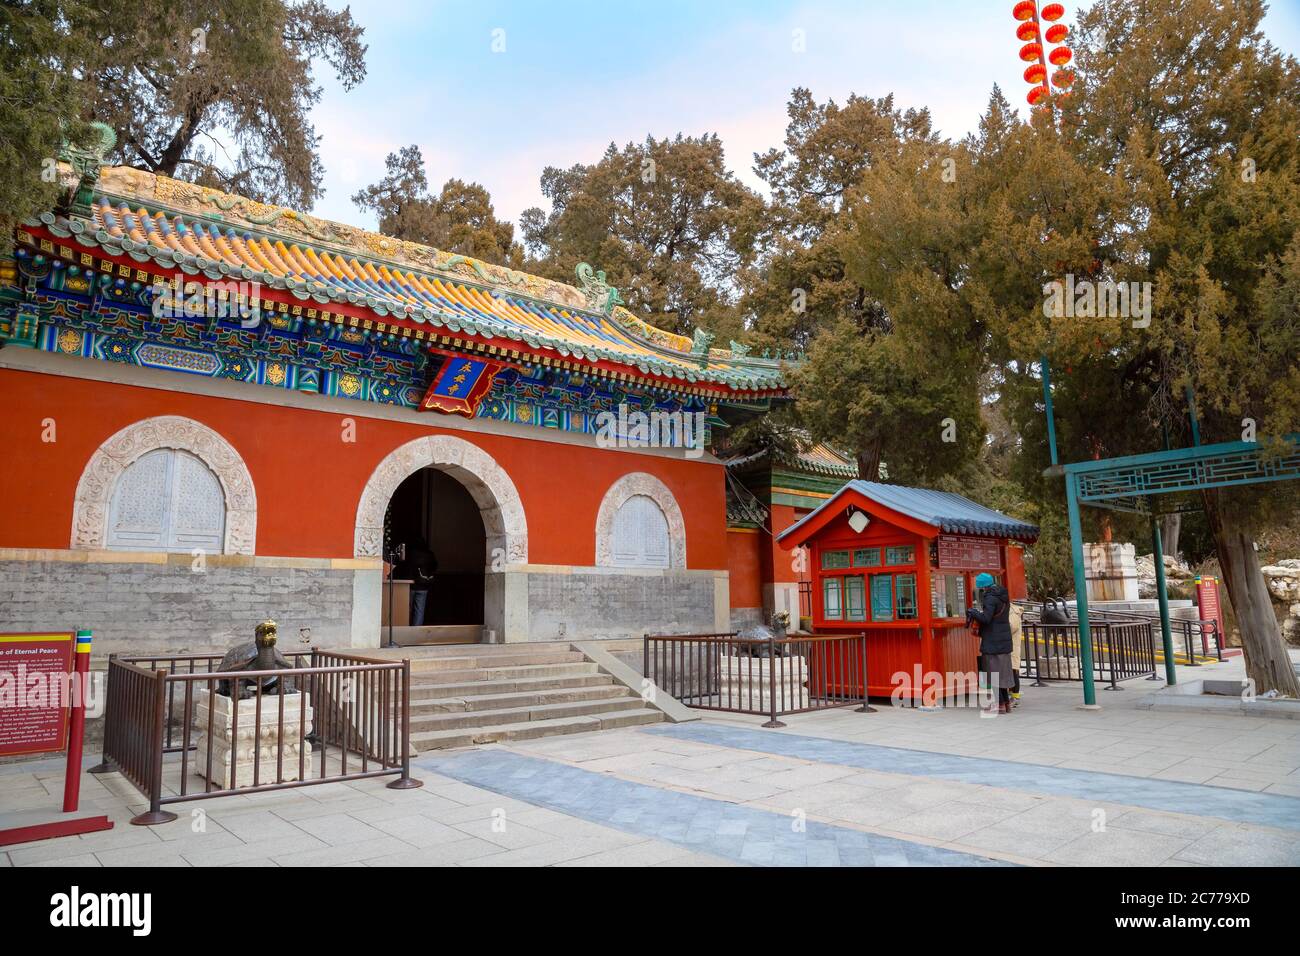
(950, 513)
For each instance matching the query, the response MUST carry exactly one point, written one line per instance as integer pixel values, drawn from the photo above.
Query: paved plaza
(1048, 785)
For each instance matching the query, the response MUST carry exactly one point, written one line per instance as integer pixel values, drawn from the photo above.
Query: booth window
(167, 500)
(866, 558)
(855, 605)
(832, 608)
(903, 554)
(905, 596)
(949, 593)
(834, 560)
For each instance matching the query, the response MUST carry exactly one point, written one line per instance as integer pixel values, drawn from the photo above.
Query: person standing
(993, 614)
(421, 566)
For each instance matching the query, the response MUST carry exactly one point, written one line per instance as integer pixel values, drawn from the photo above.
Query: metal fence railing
(772, 678)
(331, 717)
(1191, 637)
(1121, 650)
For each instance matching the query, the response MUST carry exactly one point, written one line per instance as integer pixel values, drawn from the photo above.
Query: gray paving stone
(733, 831)
(1117, 847)
(1238, 805)
(1237, 846)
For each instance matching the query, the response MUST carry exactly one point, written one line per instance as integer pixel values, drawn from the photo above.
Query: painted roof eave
(194, 265)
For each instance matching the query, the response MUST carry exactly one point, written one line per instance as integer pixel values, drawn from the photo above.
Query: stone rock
(1283, 580)
(1175, 573)
(1291, 625)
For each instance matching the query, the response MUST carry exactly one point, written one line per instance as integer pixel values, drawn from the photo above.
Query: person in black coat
(420, 567)
(994, 617)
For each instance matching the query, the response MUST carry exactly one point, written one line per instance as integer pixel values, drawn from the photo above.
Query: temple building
(768, 491)
(217, 410)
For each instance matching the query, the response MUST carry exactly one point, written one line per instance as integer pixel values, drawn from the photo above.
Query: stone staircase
(475, 694)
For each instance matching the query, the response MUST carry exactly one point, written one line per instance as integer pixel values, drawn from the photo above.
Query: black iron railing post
(405, 781)
(866, 707)
(771, 686)
(156, 814)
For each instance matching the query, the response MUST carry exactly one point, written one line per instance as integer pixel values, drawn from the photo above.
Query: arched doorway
(437, 521)
(502, 524)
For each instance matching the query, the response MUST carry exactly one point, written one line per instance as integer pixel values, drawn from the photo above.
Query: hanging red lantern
(1024, 10)
(1053, 12)
(1063, 79)
(1035, 73)
(1056, 32)
(1031, 52)
(1035, 94)
(1027, 31)
(1061, 56)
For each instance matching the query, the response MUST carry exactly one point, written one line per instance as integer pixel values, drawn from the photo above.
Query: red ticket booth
(900, 564)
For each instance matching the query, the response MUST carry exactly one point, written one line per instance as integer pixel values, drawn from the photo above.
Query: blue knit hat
(984, 580)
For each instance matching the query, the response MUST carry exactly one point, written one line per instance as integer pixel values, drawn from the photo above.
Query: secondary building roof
(203, 232)
(948, 512)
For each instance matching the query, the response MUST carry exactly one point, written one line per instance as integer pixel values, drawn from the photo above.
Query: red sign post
(44, 684)
(1207, 597)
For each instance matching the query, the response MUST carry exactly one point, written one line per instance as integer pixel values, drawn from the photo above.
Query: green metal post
(1191, 410)
(1166, 635)
(1047, 401)
(1080, 589)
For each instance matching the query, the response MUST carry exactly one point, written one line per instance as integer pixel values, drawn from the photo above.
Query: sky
(493, 92)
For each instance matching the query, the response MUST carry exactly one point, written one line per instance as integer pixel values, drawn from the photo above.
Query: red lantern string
(1034, 52)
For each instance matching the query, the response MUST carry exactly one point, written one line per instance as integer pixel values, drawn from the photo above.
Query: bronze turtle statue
(258, 655)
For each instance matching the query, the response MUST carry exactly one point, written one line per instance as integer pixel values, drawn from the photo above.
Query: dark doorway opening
(434, 509)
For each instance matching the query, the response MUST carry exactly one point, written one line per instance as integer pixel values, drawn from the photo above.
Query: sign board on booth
(968, 554)
(35, 672)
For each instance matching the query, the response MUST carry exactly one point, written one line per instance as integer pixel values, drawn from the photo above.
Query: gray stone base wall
(141, 608)
(146, 603)
(586, 604)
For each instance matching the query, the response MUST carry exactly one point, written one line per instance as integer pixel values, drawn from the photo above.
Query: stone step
(512, 715)
(475, 661)
(425, 691)
(468, 736)
(454, 704)
(426, 678)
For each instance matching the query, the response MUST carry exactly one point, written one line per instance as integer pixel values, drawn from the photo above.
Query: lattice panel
(1126, 488)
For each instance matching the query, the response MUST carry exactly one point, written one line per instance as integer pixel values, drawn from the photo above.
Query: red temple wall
(308, 480)
(746, 580)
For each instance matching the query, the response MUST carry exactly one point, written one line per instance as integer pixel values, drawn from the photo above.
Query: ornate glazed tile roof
(816, 458)
(950, 513)
(203, 232)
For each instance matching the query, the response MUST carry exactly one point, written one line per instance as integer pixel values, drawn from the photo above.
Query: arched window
(167, 500)
(640, 538)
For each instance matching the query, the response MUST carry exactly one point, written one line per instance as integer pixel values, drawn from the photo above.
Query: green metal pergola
(1155, 484)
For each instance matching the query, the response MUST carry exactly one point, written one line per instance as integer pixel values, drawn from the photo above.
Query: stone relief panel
(114, 456)
(639, 483)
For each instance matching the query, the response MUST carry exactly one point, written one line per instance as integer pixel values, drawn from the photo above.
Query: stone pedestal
(1059, 668)
(742, 676)
(268, 743)
(1111, 571)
